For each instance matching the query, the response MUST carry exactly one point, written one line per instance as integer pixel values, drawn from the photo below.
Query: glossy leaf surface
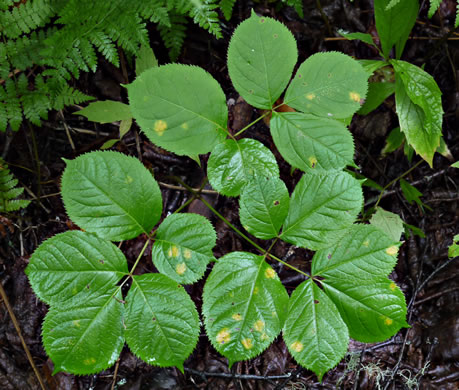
(232, 164)
(264, 206)
(111, 194)
(162, 323)
(314, 331)
(322, 205)
(373, 310)
(244, 305)
(87, 337)
(261, 57)
(328, 85)
(74, 265)
(180, 108)
(363, 253)
(308, 142)
(389, 223)
(183, 247)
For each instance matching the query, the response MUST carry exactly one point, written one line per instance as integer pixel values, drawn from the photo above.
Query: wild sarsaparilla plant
(113, 197)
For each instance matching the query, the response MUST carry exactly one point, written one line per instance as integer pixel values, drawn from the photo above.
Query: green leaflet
(322, 205)
(412, 121)
(394, 24)
(377, 94)
(364, 252)
(453, 250)
(111, 194)
(264, 206)
(308, 142)
(389, 223)
(393, 141)
(328, 85)
(314, 331)
(106, 111)
(88, 337)
(188, 120)
(72, 266)
(233, 163)
(162, 324)
(145, 60)
(244, 306)
(373, 310)
(183, 247)
(455, 165)
(261, 57)
(367, 38)
(371, 66)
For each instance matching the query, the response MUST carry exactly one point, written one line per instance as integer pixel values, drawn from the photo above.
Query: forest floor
(424, 356)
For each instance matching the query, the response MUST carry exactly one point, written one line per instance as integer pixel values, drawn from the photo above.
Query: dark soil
(426, 355)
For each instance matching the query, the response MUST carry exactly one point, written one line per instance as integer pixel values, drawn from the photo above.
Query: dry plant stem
(115, 374)
(67, 130)
(18, 330)
(180, 188)
(204, 375)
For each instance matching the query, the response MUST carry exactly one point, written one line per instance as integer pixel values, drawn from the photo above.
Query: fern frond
(456, 22)
(12, 105)
(434, 5)
(174, 36)
(8, 190)
(298, 6)
(68, 96)
(227, 8)
(205, 15)
(105, 45)
(128, 30)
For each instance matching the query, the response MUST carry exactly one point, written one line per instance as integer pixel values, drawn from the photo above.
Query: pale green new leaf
(74, 265)
(363, 253)
(308, 142)
(87, 337)
(377, 94)
(106, 111)
(314, 331)
(261, 57)
(364, 37)
(371, 66)
(111, 194)
(244, 306)
(373, 310)
(322, 205)
(183, 247)
(328, 85)
(394, 24)
(232, 164)
(412, 123)
(180, 108)
(264, 206)
(162, 323)
(389, 223)
(455, 165)
(145, 60)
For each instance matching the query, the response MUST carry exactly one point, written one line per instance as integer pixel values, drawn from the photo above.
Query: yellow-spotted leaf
(244, 306)
(183, 247)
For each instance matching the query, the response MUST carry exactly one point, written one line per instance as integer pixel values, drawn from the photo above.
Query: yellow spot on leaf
(366, 243)
(259, 325)
(76, 323)
(355, 96)
(297, 346)
(169, 252)
(185, 126)
(247, 343)
(264, 336)
(312, 161)
(392, 251)
(187, 254)
(270, 273)
(180, 269)
(89, 361)
(175, 251)
(255, 291)
(388, 321)
(274, 314)
(129, 179)
(236, 317)
(223, 336)
(160, 127)
(392, 286)
(310, 96)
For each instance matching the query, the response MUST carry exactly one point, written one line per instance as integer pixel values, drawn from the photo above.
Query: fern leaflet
(8, 190)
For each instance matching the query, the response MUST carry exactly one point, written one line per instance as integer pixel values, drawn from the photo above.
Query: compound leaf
(261, 57)
(389, 223)
(364, 252)
(322, 205)
(183, 247)
(233, 163)
(314, 331)
(244, 306)
(328, 85)
(106, 111)
(308, 142)
(373, 310)
(162, 323)
(263, 206)
(87, 337)
(180, 108)
(73, 265)
(111, 194)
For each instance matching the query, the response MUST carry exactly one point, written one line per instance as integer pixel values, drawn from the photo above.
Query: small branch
(180, 188)
(204, 375)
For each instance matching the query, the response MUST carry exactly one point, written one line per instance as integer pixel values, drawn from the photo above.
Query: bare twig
(204, 375)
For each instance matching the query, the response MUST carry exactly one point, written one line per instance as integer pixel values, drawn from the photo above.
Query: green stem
(139, 257)
(397, 179)
(251, 124)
